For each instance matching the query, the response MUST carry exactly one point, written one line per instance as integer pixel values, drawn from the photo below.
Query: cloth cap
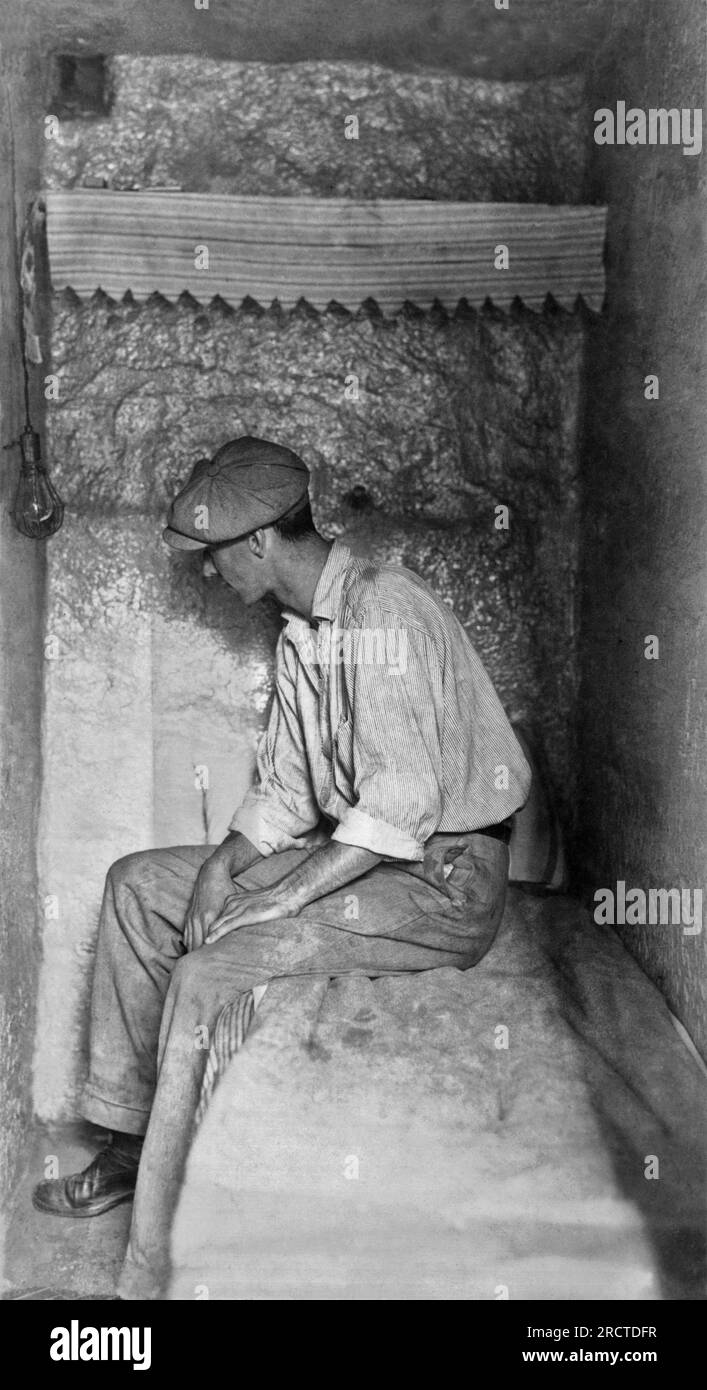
(248, 483)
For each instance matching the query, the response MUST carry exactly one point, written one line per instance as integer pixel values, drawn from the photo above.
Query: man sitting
(374, 840)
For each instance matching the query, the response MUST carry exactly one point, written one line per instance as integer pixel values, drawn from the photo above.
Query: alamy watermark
(657, 126)
(77, 1343)
(357, 646)
(634, 907)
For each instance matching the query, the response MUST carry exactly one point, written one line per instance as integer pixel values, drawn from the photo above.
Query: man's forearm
(237, 853)
(328, 868)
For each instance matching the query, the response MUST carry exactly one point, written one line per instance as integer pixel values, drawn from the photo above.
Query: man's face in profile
(240, 566)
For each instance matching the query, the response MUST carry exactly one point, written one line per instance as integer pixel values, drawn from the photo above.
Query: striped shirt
(384, 721)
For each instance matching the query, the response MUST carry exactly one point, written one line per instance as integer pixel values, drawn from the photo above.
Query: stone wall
(643, 816)
(21, 647)
(160, 681)
(252, 128)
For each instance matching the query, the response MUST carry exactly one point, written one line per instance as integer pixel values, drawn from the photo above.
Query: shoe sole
(89, 1209)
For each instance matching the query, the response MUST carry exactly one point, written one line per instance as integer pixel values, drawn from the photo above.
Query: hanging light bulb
(38, 510)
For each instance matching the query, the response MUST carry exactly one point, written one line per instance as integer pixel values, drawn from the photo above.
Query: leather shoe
(107, 1181)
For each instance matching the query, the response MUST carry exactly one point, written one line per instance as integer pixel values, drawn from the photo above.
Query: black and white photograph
(353, 697)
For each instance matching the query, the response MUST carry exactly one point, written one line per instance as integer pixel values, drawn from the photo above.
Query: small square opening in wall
(81, 85)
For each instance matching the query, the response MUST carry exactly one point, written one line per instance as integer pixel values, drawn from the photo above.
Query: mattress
(532, 1128)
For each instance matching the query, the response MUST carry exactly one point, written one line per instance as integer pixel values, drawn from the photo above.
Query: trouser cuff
(109, 1115)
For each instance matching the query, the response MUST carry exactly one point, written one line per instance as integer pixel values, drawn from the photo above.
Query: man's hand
(214, 885)
(246, 909)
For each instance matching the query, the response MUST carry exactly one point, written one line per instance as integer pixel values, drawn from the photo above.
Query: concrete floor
(49, 1257)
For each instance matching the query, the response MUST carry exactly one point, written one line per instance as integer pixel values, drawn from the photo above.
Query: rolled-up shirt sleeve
(395, 733)
(280, 810)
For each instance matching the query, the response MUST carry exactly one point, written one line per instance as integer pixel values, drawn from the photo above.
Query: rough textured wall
(21, 638)
(644, 751)
(250, 128)
(157, 676)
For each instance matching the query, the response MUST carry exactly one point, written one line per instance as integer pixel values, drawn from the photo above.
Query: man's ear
(257, 542)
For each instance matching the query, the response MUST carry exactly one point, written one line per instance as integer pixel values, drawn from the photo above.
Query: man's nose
(208, 568)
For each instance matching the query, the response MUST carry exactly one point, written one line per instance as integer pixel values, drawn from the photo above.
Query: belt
(502, 831)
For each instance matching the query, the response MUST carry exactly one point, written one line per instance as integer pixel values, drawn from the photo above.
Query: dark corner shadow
(646, 1090)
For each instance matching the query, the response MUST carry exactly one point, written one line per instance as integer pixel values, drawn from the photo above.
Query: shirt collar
(327, 595)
